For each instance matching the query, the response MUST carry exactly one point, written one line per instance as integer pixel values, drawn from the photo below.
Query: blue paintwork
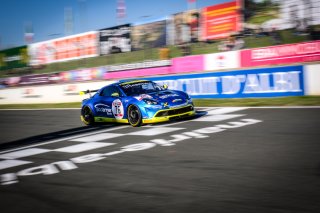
(102, 106)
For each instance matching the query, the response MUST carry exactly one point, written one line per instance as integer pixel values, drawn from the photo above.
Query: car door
(109, 103)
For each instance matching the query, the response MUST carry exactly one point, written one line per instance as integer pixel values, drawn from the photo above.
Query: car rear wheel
(134, 116)
(87, 116)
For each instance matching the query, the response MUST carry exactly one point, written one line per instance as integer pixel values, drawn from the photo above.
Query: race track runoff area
(233, 159)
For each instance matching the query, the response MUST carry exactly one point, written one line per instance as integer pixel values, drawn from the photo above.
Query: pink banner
(137, 73)
(179, 65)
(188, 64)
(281, 54)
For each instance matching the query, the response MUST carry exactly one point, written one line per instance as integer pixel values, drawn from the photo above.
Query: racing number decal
(117, 109)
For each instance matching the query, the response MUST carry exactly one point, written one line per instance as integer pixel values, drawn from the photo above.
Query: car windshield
(137, 88)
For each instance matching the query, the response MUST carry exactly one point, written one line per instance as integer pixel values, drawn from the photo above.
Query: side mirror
(115, 94)
(165, 86)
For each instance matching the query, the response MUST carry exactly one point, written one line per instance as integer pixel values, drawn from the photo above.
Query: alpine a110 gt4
(136, 102)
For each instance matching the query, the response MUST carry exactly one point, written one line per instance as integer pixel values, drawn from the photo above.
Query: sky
(47, 16)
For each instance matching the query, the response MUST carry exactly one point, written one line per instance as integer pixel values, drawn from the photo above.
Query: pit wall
(282, 81)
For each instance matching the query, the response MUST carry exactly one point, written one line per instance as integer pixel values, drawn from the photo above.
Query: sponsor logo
(286, 50)
(71, 90)
(30, 93)
(143, 96)
(13, 58)
(103, 108)
(176, 100)
(117, 109)
(221, 61)
(168, 96)
(146, 64)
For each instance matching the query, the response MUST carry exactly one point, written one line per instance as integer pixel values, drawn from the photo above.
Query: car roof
(124, 82)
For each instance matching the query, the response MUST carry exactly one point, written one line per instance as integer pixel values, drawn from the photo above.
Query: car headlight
(150, 102)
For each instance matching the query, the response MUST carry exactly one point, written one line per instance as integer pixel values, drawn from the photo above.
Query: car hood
(167, 97)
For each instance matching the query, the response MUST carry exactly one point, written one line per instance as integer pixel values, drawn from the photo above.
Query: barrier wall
(281, 54)
(312, 79)
(62, 93)
(264, 82)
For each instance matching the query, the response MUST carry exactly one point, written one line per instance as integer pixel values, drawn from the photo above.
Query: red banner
(63, 49)
(281, 54)
(219, 21)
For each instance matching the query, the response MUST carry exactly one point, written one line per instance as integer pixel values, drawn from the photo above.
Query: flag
(28, 33)
(121, 9)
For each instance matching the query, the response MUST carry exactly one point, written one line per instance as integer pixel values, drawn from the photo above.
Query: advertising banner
(115, 39)
(14, 58)
(188, 64)
(63, 49)
(219, 21)
(37, 79)
(267, 82)
(184, 27)
(149, 35)
(138, 65)
(223, 60)
(311, 79)
(95, 73)
(281, 54)
(137, 73)
(299, 14)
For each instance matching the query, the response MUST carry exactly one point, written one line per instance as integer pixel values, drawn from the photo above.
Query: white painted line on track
(24, 153)
(225, 110)
(83, 147)
(64, 139)
(155, 131)
(172, 124)
(97, 137)
(219, 117)
(12, 163)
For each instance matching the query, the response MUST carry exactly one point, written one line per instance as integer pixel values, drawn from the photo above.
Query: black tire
(87, 116)
(134, 116)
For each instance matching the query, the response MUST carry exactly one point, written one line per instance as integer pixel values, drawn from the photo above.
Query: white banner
(223, 60)
(62, 93)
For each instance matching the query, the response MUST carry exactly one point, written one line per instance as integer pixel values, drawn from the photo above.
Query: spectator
(275, 35)
(232, 43)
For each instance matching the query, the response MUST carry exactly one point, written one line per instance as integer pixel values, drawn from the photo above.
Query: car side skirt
(113, 120)
(167, 118)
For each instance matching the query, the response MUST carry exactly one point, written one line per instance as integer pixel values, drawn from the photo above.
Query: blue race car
(136, 102)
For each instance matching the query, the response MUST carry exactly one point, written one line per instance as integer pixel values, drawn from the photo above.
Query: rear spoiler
(88, 92)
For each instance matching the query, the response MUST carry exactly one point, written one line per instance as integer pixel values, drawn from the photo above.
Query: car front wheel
(134, 116)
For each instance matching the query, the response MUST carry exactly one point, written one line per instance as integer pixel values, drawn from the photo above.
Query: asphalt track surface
(224, 160)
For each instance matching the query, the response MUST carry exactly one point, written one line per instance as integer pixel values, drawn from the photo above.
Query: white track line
(63, 139)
